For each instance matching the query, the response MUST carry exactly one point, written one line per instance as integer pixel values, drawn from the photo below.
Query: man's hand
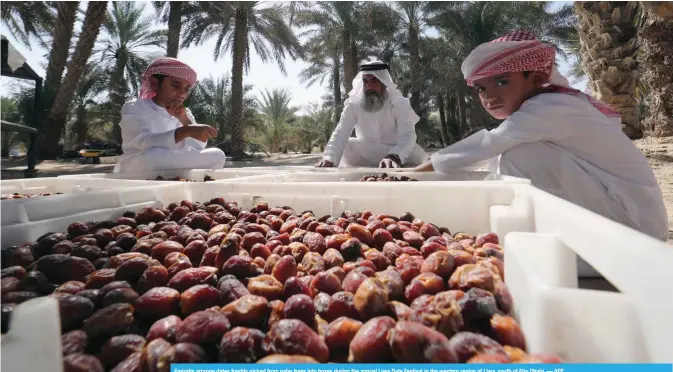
(200, 132)
(391, 161)
(325, 164)
(177, 110)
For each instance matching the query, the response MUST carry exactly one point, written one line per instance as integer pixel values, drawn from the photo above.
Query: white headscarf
(357, 93)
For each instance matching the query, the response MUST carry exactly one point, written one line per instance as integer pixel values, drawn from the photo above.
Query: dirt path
(660, 154)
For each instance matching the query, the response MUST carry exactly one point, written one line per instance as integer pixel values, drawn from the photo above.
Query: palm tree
(171, 13)
(95, 13)
(410, 17)
(239, 26)
(128, 46)
(210, 103)
(324, 56)
(276, 109)
(28, 19)
(11, 113)
(608, 39)
(655, 34)
(92, 84)
(355, 22)
(58, 55)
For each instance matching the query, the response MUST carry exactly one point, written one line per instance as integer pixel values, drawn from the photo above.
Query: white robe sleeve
(339, 139)
(531, 123)
(137, 133)
(193, 142)
(405, 119)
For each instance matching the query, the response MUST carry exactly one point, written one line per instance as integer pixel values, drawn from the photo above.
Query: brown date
(247, 311)
(370, 343)
(60, 268)
(231, 289)
(131, 364)
(188, 278)
(469, 276)
(300, 307)
(412, 342)
(202, 327)
(241, 345)
(74, 342)
(131, 270)
(13, 271)
(241, 267)
(467, 344)
(78, 362)
(292, 336)
(325, 282)
(154, 276)
(119, 295)
(341, 304)
(333, 258)
(508, 331)
(73, 310)
(284, 268)
(157, 356)
(161, 250)
(164, 328)
(10, 284)
(186, 352)
(488, 359)
(199, 297)
(266, 286)
(109, 321)
(118, 348)
(99, 278)
(157, 303)
(195, 250)
(295, 286)
(340, 333)
(371, 298)
(352, 281)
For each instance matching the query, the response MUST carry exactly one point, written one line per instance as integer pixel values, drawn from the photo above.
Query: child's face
(503, 94)
(171, 89)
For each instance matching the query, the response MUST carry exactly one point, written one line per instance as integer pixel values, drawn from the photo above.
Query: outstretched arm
(337, 142)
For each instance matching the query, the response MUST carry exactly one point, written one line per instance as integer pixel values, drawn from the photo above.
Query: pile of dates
(210, 282)
(16, 195)
(383, 177)
(206, 178)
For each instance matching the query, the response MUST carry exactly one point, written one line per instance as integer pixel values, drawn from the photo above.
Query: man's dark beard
(374, 101)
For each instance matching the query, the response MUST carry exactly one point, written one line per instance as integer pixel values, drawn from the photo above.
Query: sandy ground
(659, 152)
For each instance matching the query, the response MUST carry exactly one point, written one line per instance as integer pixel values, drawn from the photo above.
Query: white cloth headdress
(380, 71)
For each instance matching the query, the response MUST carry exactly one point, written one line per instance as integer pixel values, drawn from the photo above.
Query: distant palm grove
(623, 50)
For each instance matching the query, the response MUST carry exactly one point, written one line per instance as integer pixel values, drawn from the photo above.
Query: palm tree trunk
(336, 92)
(58, 56)
(442, 120)
(239, 49)
(80, 125)
(118, 92)
(354, 58)
(174, 26)
(655, 36)
(95, 13)
(460, 95)
(608, 48)
(349, 74)
(415, 98)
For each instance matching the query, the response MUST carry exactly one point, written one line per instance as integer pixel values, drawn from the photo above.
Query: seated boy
(158, 132)
(566, 142)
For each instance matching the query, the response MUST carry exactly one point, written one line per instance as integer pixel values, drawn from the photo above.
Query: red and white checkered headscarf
(517, 52)
(165, 66)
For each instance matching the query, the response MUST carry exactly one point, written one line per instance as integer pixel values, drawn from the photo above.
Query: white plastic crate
(580, 325)
(78, 195)
(37, 216)
(191, 174)
(354, 175)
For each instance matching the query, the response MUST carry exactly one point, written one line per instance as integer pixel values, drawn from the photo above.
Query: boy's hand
(325, 164)
(200, 132)
(177, 110)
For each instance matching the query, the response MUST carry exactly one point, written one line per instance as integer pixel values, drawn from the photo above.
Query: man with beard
(384, 125)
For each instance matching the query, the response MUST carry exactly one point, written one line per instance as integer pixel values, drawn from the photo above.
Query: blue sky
(261, 76)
